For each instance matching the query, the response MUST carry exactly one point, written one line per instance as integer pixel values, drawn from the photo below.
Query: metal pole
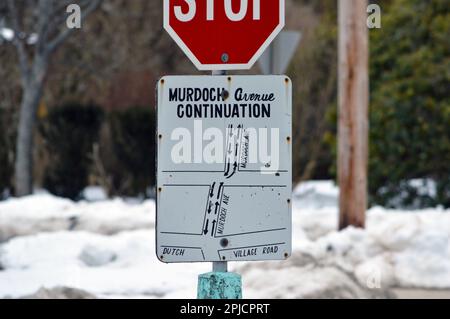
(219, 284)
(219, 266)
(219, 72)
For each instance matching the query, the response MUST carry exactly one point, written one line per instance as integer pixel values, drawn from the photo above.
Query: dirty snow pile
(400, 248)
(106, 248)
(46, 213)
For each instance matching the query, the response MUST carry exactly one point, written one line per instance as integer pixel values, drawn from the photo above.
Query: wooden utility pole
(353, 98)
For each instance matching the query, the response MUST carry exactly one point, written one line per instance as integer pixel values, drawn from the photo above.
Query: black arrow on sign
(230, 151)
(228, 169)
(231, 130)
(205, 231)
(217, 206)
(211, 193)
(220, 189)
(209, 207)
(213, 227)
(234, 169)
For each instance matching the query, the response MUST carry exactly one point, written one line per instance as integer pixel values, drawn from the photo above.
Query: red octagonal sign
(223, 34)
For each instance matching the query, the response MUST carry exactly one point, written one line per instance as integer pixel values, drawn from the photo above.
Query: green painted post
(219, 285)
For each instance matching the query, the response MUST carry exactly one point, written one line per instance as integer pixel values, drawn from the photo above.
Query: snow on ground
(52, 259)
(46, 213)
(107, 248)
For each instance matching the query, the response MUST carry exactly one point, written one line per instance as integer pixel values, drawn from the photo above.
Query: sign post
(219, 284)
(224, 144)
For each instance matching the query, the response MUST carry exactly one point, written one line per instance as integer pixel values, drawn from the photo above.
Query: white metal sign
(224, 168)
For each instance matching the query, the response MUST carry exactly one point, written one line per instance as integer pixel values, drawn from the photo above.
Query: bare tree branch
(57, 17)
(18, 42)
(61, 6)
(43, 14)
(63, 35)
(58, 14)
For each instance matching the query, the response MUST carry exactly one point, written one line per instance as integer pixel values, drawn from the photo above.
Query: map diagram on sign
(224, 168)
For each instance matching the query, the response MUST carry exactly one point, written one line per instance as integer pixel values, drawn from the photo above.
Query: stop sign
(223, 34)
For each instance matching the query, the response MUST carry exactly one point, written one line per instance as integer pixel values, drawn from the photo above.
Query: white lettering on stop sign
(223, 34)
(233, 16)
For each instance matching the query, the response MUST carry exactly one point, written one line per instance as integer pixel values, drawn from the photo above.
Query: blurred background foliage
(410, 105)
(121, 51)
(69, 133)
(129, 161)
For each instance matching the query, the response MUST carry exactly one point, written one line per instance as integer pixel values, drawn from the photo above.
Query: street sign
(276, 59)
(224, 168)
(223, 34)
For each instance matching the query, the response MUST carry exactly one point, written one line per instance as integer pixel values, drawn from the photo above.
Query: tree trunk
(32, 92)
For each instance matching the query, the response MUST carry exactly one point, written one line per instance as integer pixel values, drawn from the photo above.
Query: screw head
(225, 58)
(225, 95)
(224, 242)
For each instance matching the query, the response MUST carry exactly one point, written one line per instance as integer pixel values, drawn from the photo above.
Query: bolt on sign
(223, 34)
(224, 168)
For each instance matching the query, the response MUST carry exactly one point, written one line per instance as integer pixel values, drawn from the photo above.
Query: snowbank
(53, 259)
(107, 248)
(47, 213)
